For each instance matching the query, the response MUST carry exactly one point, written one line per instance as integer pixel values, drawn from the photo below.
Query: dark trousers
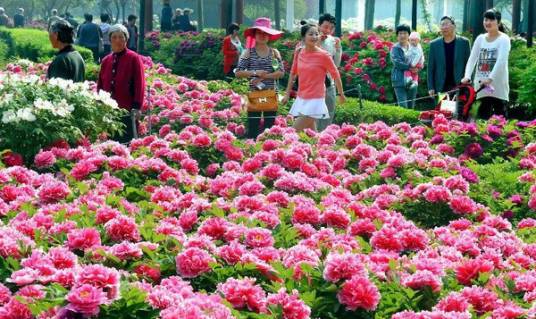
(254, 122)
(107, 48)
(95, 52)
(128, 134)
(491, 106)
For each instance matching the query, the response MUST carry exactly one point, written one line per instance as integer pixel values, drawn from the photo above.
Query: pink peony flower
(244, 293)
(193, 262)
(343, 266)
(122, 228)
(83, 238)
(44, 159)
(86, 299)
(359, 292)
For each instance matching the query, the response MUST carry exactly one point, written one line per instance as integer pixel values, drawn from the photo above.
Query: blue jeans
(406, 97)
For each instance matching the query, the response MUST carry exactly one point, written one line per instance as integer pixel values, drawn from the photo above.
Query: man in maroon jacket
(122, 75)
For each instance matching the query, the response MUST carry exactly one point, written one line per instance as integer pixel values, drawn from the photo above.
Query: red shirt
(230, 55)
(122, 75)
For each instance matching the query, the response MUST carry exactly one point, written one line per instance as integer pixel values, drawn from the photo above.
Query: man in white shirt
(332, 45)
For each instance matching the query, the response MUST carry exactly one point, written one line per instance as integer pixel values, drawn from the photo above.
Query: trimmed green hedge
(352, 113)
(32, 44)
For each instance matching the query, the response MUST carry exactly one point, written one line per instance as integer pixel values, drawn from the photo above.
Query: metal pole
(530, 29)
(516, 15)
(338, 17)
(277, 14)
(290, 15)
(414, 15)
(321, 7)
(200, 15)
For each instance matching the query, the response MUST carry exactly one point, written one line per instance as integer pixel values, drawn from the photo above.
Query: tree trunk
(290, 15)
(338, 17)
(398, 12)
(414, 14)
(277, 14)
(226, 13)
(477, 9)
(530, 18)
(516, 15)
(466, 15)
(200, 12)
(321, 7)
(239, 11)
(148, 17)
(369, 14)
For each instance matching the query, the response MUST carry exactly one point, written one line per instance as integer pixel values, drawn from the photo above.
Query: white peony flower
(106, 98)
(8, 117)
(43, 105)
(26, 114)
(63, 108)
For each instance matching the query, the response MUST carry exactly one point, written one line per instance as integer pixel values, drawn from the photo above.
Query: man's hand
(466, 80)
(431, 92)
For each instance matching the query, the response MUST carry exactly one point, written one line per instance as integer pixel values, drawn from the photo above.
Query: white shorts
(315, 108)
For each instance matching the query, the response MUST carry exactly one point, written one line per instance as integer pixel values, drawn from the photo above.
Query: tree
(265, 8)
(516, 15)
(369, 14)
(398, 12)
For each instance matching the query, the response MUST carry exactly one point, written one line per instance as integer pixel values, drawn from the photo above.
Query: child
(415, 57)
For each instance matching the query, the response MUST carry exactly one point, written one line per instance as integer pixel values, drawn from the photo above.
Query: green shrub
(34, 45)
(351, 112)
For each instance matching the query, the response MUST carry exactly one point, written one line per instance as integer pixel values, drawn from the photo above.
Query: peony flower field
(191, 220)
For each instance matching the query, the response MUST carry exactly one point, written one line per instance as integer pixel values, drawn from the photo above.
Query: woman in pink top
(311, 65)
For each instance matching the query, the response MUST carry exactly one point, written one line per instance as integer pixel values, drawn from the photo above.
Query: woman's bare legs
(303, 122)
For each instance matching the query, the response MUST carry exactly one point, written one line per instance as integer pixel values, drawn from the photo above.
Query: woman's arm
(473, 58)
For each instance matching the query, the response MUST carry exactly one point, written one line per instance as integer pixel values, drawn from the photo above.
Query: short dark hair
(64, 30)
(132, 17)
(327, 17)
(403, 28)
(88, 16)
(450, 18)
(105, 17)
(306, 27)
(232, 27)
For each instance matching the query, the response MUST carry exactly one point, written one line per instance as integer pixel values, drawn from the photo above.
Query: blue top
(400, 64)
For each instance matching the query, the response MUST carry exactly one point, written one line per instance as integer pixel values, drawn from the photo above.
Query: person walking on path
(311, 64)
(68, 63)
(332, 45)
(132, 33)
(405, 96)
(122, 74)
(263, 66)
(185, 25)
(231, 48)
(490, 56)
(53, 17)
(90, 36)
(4, 19)
(105, 31)
(165, 17)
(447, 58)
(18, 19)
(176, 21)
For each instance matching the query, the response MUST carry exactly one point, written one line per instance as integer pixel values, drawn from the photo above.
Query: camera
(260, 86)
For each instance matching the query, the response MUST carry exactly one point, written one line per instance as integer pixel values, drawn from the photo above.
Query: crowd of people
(317, 57)
(315, 64)
(178, 21)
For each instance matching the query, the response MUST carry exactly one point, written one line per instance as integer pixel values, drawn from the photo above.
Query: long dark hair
(494, 14)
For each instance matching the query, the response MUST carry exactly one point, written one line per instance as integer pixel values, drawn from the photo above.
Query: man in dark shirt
(90, 36)
(132, 43)
(165, 18)
(18, 19)
(447, 58)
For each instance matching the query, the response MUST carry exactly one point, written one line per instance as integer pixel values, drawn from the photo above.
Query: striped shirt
(251, 61)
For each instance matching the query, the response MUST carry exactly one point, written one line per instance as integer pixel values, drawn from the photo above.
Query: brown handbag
(262, 101)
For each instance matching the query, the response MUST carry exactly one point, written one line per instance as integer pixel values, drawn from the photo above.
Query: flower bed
(38, 113)
(364, 220)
